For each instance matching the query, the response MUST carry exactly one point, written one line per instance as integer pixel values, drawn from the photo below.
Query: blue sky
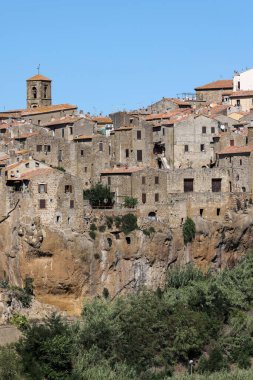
(106, 55)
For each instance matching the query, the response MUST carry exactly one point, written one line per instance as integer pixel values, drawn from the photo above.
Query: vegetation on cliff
(204, 318)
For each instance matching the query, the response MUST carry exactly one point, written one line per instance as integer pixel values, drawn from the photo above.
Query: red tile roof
(122, 170)
(237, 94)
(47, 109)
(236, 149)
(60, 121)
(102, 120)
(25, 135)
(217, 85)
(167, 115)
(84, 137)
(39, 77)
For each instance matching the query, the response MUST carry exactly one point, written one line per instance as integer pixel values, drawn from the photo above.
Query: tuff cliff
(68, 266)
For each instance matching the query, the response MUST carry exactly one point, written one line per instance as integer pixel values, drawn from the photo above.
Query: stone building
(213, 92)
(38, 91)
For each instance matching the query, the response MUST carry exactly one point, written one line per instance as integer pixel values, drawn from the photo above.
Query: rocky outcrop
(67, 266)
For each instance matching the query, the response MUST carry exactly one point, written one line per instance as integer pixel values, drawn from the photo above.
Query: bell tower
(38, 89)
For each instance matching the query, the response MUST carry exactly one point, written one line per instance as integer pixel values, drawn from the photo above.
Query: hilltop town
(178, 158)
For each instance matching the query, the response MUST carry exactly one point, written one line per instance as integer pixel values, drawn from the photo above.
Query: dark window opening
(57, 218)
(72, 204)
(143, 180)
(109, 181)
(188, 185)
(42, 203)
(152, 216)
(144, 198)
(163, 131)
(82, 152)
(212, 129)
(128, 240)
(85, 169)
(218, 211)
(34, 92)
(139, 155)
(39, 148)
(186, 148)
(203, 130)
(101, 147)
(62, 132)
(202, 147)
(68, 188)
(127, 153)
(131, 121)
(109, 241)
(232, 142)
(156, 197)
(216, 185)
(47, 148)
(60, 155)
(45, 91)
(238, 102)
(243, 189)
(156, 180)
(241, 162)
(138, 135)
(201, 211)
(71, 130)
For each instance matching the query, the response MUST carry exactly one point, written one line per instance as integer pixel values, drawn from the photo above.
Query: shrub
(130, 202)
(93, 227)
(20, 321)
(128, 223)
(92, 234)
(109, 221)
(99, 196)
(117, 221)
(4, 284)
(102, 228)
(189, 230)
(148, 231)
(28, 285)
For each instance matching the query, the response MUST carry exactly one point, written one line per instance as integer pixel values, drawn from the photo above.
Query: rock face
(67, 266)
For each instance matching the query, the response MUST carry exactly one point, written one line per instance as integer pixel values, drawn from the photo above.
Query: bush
(109, 221)
(130, 202)
(189, 230)
(149, 231)
(20, 321)
(93, 227)
(128, 223)
(92, 234)
(102, 228)
(10, 364)
(99, 196)
(117, 221)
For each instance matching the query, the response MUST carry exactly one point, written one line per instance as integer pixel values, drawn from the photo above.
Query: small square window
(68, 188)
(232, 142)
(186, 148)
(212, 129)
(39, 148)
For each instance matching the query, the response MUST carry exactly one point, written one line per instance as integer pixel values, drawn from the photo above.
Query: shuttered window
(216, 185)
(188, 185)
(42, 203)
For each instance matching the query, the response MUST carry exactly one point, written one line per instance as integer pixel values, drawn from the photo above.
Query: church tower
(38, 91)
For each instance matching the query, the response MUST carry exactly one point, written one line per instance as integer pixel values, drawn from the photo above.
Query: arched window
(45, 92)
(34, 92)
(152, 216)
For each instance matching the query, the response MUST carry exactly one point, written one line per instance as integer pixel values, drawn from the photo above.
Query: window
(218, 211)
(131, 121)
(34, 92)
(62, 132)
(163, 131)
(47, 148)
(100, 146)
(238, 102)
(237, 177)
(109, 149)
(216, 185)
(39, 148)
(201, 211)
(68, 188)
(27, 165)
(71, 130)
(60, 155)
(203, 130)
(42, 188)
(139, 155)
(212, 129)
(82, 152)
(58, 218)
(85, 169)
(144, 198)
(156, 197)
(188, 185)
(127, 153)
(232, 142)
(202, 147)
(45, 91)
(42, 204)
(138, 135)
(241, 162)
(37, 164)
(239, 85)
(128, 240)
(156, 180)
(38, 122)
(71, 204)
(186, 148)
(109, 181)
(143, 180)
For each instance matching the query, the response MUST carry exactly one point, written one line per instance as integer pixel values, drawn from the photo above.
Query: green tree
(99, 196)
(189, 230)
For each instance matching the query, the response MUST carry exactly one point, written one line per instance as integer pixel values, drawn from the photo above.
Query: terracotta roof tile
(166, 115)
(47, 109)
(237, 94)
(102, 120)
(25, 135)
(236, 149)
(39, 77)
(60, 121)
(217, 85)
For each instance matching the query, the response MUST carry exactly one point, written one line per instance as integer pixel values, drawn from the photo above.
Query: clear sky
(106, 55)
